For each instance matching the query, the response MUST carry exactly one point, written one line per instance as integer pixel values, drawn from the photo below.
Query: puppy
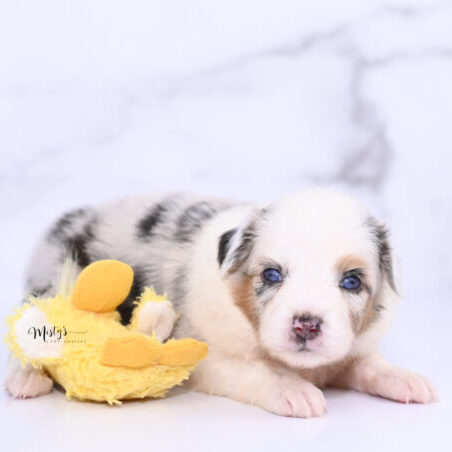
(291, 298)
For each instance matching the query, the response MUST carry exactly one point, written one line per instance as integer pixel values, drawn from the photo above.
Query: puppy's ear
(381, 236)
(235, 245)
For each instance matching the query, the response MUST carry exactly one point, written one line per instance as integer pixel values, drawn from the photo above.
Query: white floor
(192, 421)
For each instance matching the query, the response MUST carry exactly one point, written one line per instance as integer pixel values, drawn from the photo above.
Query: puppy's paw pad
(403, 386)
(297, 399)
(26, 384)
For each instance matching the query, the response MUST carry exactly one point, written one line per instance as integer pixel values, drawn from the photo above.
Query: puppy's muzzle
(306, 327)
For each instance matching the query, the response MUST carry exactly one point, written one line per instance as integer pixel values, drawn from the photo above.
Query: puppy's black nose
(306, 327)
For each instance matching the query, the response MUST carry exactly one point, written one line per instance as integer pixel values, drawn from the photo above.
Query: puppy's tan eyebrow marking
(349, 262)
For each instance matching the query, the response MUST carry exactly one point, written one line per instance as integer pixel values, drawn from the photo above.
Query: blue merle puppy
(290, 297)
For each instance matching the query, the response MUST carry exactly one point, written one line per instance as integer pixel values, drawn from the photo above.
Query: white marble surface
(245, 99)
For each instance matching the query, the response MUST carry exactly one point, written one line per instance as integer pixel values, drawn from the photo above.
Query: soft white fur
(307, 233)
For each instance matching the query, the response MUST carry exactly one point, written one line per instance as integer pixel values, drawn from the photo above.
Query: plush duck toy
(78, 339)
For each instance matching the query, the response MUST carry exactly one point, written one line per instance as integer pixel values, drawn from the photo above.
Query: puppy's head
(309, 272)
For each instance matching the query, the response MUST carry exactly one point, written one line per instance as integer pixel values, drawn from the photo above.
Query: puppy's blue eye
(272, 275)
(351, 282)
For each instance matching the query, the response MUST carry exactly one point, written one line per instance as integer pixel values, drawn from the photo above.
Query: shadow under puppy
(290, 298)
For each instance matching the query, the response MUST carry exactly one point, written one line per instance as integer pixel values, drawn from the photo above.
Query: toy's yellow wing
(102, 286)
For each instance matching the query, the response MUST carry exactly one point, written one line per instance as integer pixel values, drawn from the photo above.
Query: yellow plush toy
(78, 339)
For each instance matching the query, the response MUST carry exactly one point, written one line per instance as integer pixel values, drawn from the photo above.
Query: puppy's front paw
(402, 386)
(24, 384)
(296, 398)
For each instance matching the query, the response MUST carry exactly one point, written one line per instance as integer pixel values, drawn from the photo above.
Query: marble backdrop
(244, 99)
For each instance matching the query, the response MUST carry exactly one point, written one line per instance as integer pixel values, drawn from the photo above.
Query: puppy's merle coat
(290, 297)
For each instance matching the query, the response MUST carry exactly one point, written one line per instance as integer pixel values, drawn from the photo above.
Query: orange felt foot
(132, 350)
(183, 352)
